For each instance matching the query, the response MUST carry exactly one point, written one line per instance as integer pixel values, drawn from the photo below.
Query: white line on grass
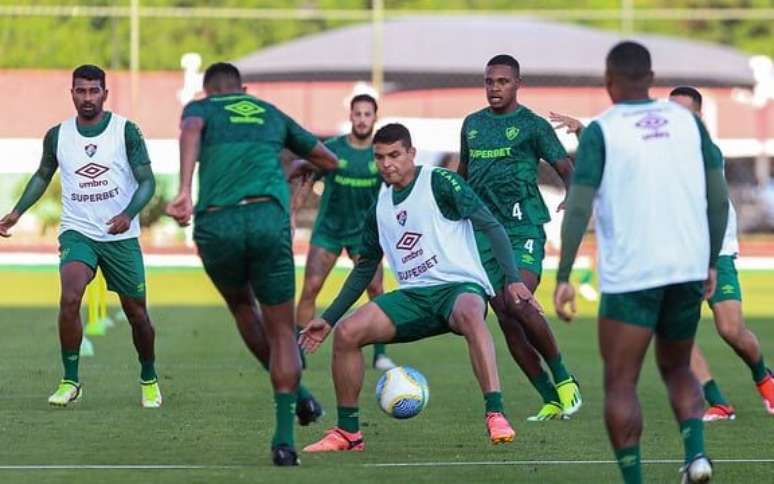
(394, 464)
(557, 462)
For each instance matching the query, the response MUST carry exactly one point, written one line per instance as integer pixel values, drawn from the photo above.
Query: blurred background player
(424, 222)
(106, 181)
(242, 228)
(661, 206)
(500, 149)
(350, 191)
(726, 304)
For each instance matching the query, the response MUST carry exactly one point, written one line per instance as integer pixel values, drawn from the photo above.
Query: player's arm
(457, 200)
(139, 161)
(551, 150)
(573, 125)
(717, 192)
(191, 127)
(319, 159)
(590, 163)
(462, 169)
(37, 184)
(357, 282)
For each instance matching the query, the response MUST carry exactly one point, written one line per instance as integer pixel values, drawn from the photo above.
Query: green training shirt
(350, 190)
(503, 152)
(240, 149)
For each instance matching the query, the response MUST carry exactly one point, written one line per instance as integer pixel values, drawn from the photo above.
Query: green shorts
(249, 244)
(423, 312)
(120, 261)
(335, 245)
(528, 253)
(728, 288)
(672, 312)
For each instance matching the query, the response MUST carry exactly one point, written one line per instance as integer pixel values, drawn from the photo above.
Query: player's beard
(91, 113)
(363, 136)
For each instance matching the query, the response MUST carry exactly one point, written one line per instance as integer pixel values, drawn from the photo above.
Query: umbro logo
(408, 241)
(92, 170)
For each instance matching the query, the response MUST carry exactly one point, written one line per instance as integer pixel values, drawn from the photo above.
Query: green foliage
(51, 42)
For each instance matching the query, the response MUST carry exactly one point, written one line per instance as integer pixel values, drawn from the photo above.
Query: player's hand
(7, 222)
(564, 295)
(119, 224)
(520, 294)
(314, 334)
(711, 283)
(181, 209)
(573, 125)
(302, 169)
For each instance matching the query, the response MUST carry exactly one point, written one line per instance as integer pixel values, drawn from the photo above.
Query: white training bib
(651, 206)
(97, 181)
(423, 247)
(730, 240)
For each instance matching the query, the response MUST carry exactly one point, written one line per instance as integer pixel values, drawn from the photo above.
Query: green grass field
(218, 403)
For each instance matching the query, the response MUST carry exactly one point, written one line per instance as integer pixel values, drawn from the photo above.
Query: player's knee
(137, 315)
(70, 302)
(469, 319)
(348, 334)
(729, 329)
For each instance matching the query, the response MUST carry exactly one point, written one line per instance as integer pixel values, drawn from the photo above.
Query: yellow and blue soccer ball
(402, 392)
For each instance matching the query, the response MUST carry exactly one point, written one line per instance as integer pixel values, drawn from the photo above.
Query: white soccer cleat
(67, 392)
(384, 363)
(151, 394)
(698, 471)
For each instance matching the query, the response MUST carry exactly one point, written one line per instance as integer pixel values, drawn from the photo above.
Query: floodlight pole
(134, 54)
(627, 17)
(377, 53)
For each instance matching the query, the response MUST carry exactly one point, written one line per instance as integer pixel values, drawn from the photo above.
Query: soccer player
(500, 149)
(106, 180)
(661, 209)
(242, 228)
(726, 304)
(349, 192)
(424, 222)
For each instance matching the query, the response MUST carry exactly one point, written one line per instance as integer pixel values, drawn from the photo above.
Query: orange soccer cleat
(338, 440)
(500, 431)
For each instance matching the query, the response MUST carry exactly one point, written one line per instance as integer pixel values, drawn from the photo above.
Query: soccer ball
(402, 392)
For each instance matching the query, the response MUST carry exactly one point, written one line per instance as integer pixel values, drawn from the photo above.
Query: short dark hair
(688, 91)
(505, 60)
(90, 72)
(363, 98)
(222, 71)
(629, 60)
(392, 133)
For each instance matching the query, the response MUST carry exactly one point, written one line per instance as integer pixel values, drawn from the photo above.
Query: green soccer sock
(629, 463)
(545, 388)
(379, 350)
(556, 365)
(148, 371)
(285, 408)
(692, 431)
(70, 361)
(494, 402)
(349, 419)
(713, 395)
(759, 371)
